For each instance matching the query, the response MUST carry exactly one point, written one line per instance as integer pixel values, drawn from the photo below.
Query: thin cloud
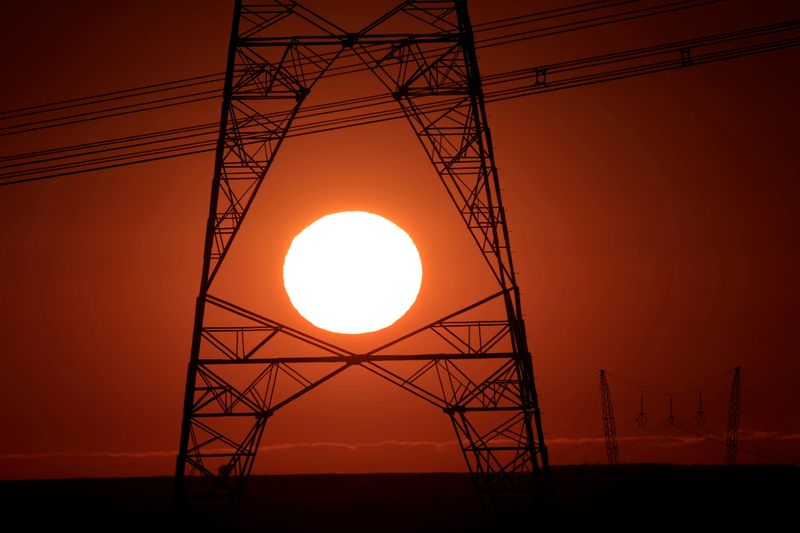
(360, 445)
(113, 455)
(669, 440)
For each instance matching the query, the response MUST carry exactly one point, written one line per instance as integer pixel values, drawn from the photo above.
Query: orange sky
(654, 222)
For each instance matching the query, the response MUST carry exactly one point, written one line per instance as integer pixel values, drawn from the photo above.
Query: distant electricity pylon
(734, 408)
(479, 369)
(609, 423)
(731, 436)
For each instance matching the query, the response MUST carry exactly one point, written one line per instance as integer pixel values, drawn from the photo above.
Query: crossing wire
(331, 116)
(219, 77)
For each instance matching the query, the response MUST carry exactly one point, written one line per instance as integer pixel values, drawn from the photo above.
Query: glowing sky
(654, 222)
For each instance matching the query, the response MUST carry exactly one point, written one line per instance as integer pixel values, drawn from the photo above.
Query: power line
(108, 142)
(118, 111)
(113, 96)
(681, 392)
(338, 70)
(596, 22)
(548, 14)
(373, 109)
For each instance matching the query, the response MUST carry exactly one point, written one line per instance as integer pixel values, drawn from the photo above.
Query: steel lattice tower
(480, 373)
(609, 422)
(734, 408)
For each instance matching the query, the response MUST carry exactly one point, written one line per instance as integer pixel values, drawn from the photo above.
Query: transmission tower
(734, 407)
(641, 418)
(609, 423)
(479, 371)
(700, 416)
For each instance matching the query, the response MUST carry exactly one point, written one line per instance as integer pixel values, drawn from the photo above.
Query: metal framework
(478, 371)
(734, 408)
(700, 416)
(609, 422)
(641, 418)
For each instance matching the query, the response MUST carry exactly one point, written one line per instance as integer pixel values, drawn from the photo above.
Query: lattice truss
(477, 371)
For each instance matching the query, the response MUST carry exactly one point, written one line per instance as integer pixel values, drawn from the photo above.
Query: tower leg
(609, 422)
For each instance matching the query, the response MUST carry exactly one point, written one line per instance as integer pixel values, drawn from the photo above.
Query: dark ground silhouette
(623, 498)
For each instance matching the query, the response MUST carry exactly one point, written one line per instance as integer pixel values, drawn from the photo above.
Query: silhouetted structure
(609, 423)
(734, 407)
(641, 418)
(700, 416)
(479, 371)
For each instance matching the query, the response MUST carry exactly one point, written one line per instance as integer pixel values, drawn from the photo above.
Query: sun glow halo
(352, 272)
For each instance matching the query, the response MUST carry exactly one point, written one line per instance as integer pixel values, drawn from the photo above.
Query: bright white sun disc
(352, 272)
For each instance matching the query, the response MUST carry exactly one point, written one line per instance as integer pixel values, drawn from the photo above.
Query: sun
(352, 272)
